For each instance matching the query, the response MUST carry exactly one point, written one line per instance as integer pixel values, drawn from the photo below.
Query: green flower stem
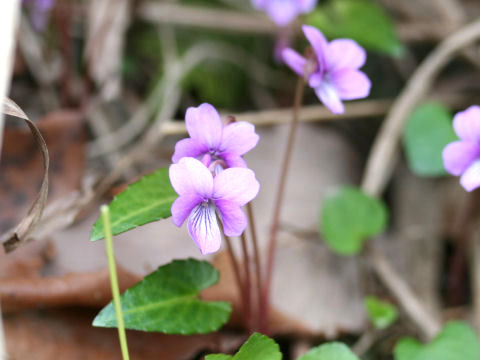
(114, 281)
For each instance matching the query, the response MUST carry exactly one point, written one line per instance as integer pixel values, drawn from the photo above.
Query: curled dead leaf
(14, 238)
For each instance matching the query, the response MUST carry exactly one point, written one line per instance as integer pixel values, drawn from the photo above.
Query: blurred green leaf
(258, 347)
(349, 218)
(429, 129)
(145, 201)
(330, 351)
(362, 20)
(457, 341)
(167, 301)
(382, 314)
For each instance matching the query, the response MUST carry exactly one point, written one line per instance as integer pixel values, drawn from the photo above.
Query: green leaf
(167, 301)
(361, 20)
(429, 129)
(258, 347)
(457, 341)
(218, 357)
(380, 313)
(145, 201)
(330, 351)
(349, 218)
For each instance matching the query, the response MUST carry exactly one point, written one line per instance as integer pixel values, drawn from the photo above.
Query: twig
(257, 23)
(277, 207)
(318, 113)
(414, 309)
(206, 17)
(365, 342)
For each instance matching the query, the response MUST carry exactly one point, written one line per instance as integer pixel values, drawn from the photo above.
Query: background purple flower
(201, 195)
(463, 157)
(283, 12)
(210, 140)
(40, 12)
(333, 73)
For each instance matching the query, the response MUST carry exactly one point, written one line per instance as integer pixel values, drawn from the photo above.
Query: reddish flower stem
(272, 244)
(258, 268)
(236, 270)
(247, 284)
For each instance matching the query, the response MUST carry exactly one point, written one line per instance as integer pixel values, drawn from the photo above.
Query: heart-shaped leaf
(258, 347)
(145, 201)
(330, 351)
(362, 20)
(429, 129)
(167, 301)
(382, 314)
(349, 218)
(457, 341)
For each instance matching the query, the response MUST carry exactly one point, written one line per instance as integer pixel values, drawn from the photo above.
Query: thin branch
(318, 113)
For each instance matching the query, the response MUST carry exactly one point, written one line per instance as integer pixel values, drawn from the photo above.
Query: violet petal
(204, 125)
(282, 12)
(351, 84)
(345, 53)
(319, 44)
(328, 95)
(188, 148)
(295, 61)
(191, 177)
(467, 124)
(239, 138)
(233, 218)
(470, 179)
(459, 155)
(183, 206)
(203, 228)
(237, 185)
(233, 160)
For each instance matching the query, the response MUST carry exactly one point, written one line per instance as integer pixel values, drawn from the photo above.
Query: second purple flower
(211, 141)
(333, 70)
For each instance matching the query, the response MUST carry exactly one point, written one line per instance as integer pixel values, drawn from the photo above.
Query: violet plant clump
(462, 157)
(333, 72)
(283, 12)
(202, 196)
(212, 142)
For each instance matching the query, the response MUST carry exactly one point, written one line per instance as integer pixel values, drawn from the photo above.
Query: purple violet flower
(202, 196)
(210, 141)
(333, 72)
(463, 157)
(283, 12)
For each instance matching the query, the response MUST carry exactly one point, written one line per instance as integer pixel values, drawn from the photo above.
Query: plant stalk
(278, 204)
(248, 283)
(114, 281)
(256, 257)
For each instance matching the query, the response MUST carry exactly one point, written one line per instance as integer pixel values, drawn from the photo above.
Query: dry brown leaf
(16, 237)
(75, 289)
(68, 334)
